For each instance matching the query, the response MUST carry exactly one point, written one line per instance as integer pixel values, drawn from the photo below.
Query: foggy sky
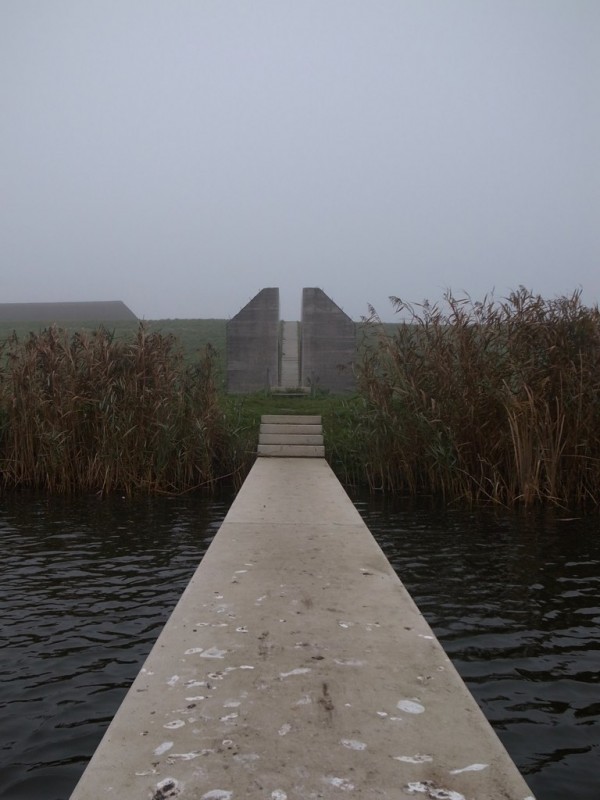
(180, 155)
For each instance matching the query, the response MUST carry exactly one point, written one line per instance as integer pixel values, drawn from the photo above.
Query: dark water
(85, 589)
(515, 600)
(86, 586)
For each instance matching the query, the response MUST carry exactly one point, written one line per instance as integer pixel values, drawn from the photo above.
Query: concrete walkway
(290, 362)
(296, 667)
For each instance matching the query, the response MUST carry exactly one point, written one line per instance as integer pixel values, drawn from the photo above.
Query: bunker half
(265, 353)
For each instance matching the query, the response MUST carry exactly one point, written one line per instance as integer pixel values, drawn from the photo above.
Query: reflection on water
(515, 600)
(87, 585)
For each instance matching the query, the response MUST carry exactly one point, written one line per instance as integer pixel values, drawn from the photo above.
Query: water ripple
(86, 588)
(515, 600)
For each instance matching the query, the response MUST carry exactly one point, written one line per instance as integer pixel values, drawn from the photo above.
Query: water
(87, 585)
(86, 588)
(515, 601)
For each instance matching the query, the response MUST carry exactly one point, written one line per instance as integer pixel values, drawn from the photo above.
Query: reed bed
(95, 412)
(490, 400)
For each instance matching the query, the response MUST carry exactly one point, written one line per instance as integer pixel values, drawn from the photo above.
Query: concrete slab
(296, 667)
(285, 428)
(291, 450)
(291, 438)
(291, 419)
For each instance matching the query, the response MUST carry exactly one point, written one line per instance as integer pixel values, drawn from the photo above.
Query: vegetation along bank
(495, 401)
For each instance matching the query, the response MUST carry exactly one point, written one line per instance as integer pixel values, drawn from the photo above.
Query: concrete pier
(296, 666)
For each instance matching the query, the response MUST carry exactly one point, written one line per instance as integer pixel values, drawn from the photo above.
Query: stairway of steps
(289, 377)
(291, 436)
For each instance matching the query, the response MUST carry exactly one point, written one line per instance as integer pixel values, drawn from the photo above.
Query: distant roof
(100, 311)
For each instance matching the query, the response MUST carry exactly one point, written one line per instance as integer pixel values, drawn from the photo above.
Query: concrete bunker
(265, 353)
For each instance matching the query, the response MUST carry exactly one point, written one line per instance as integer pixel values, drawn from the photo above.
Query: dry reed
(485, 400)
(92, 412)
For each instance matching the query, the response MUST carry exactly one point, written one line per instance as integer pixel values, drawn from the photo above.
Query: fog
(181, 155)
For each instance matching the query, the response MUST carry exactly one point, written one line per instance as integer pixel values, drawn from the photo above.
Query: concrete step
(290, 429)
(291, 419)
(290, 363)
(291, 450)
(290, 438)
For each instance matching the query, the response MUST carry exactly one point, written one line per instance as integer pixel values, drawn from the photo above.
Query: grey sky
(182, 154)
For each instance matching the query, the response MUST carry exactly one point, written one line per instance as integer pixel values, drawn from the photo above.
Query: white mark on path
(162, 748)
(260, 599)
(299, 671)
(304, 701)
(470, 768)
(286, 728)
(345, 624)
(213, 652)
(242, 629)
(246, 666)
(340, 783)
(410, 707)
(212, 624)
(353, 744)
(217, 794)
(232, 704)
(240, 571)
(425, 636)
(229, 718)
(172, 681)
(433, 792)
(193, 684)
(177, 723)
(416, 759)
(350, 662)
(196, 698)
(278, 795)
(185, 756)
(193, 650)
(246, 758)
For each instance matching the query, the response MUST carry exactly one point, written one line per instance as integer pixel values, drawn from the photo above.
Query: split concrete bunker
(267, 354)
